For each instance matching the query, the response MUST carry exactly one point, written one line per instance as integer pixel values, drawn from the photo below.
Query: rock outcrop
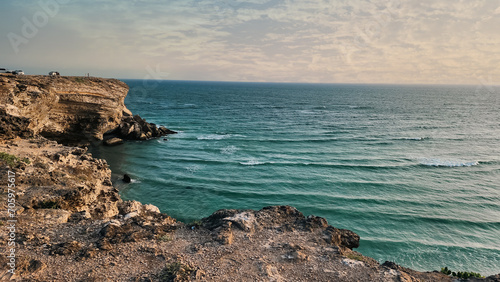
(60, 178)
(134, 128)
(67, 109)
(70, 110)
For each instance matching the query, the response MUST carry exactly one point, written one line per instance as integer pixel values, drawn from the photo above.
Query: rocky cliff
(71, 224)
(68, 109)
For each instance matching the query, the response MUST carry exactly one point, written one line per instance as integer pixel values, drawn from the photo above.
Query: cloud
(391, 41)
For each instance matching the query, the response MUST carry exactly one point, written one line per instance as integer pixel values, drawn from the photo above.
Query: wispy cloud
(391, 41)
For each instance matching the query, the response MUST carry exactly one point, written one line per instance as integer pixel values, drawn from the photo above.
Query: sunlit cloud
(359, 41)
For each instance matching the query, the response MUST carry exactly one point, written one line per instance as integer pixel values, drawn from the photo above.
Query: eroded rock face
(56, 181)
(135, 128)
(71, 110)
(281, 218)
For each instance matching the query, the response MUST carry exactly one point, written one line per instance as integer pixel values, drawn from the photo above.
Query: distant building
(20, 72)
(54, 73)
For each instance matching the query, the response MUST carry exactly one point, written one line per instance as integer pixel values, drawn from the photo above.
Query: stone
(245, 221)
(129, 206)
(126, 112)
(125, 129)
(113, 141)
(67, 248)
(130, 215)
(296, 256)
(150, 208)
(341, 237)
(126, 178)
(48, 215)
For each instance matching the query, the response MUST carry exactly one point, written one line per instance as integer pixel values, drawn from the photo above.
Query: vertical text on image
(11, 222)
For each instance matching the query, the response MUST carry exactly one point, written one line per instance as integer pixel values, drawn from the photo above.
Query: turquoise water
(414, 170)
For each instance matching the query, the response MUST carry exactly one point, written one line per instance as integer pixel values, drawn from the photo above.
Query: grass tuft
(176, 271)
(12, 160)
(461, 274)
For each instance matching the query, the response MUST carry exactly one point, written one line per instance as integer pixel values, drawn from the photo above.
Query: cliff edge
(70, 110)
(71, 224)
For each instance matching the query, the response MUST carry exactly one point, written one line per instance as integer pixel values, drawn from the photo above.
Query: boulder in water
(113, 142)
(126, 178)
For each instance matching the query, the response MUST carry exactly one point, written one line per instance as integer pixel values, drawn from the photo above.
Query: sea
(413, 169)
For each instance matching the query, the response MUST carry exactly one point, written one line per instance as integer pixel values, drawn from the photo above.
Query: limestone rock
(113, 141)
(48, 215)
(62, 181)
(71, 110)
(244, 220)
(127, 207)
(150, 208)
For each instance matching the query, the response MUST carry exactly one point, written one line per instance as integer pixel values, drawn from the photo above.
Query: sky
(325, 41)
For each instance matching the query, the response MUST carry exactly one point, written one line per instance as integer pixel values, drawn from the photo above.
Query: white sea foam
(212, 137)
(447, 163)
(218, 136)
(229, 150)
(252, 162)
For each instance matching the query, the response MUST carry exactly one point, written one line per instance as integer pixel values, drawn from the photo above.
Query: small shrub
(176, 271)
(79, 80)
(460, 274)
(195, 224)
(11, 160)
(165, 238)
(445, 271)
(48, 205)
(354, 256)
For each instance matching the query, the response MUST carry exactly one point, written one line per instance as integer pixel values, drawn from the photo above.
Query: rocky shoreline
(72, 225)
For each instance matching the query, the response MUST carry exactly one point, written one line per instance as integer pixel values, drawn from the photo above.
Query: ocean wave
(183, 106)
(212, 137)
(229, 150)
(252, 163)
(415, 138)
(217, 136)
(447, 163)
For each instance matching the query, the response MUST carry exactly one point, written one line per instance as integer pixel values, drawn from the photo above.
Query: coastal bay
(74, 224)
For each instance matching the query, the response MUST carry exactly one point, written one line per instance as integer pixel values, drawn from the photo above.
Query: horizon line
(323, 83)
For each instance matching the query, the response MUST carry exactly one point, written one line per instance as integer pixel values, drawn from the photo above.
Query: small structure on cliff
(54, 73)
